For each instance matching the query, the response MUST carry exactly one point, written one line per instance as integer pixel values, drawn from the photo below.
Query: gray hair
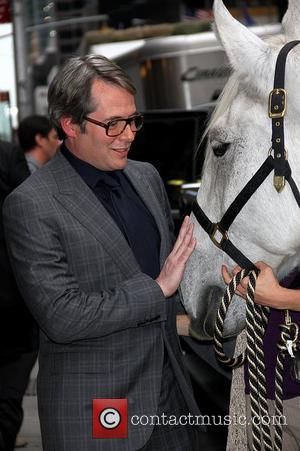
(69, 93)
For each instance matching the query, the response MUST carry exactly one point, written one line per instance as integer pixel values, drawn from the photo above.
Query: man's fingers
(173, 269)
(185, 241)
(188, 245)
(182, 233)
(188, 250)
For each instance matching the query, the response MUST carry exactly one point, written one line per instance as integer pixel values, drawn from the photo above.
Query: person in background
(90, 236)
(38, 139)
(18, 331)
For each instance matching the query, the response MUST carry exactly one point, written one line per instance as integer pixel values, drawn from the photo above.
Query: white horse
(239, 138)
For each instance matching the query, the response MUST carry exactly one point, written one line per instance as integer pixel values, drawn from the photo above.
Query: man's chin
(121, 164)
(124, 163)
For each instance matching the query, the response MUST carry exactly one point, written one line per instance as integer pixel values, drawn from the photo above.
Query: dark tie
(133, 218)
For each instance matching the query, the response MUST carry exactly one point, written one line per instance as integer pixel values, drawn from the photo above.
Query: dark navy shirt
(118, 196)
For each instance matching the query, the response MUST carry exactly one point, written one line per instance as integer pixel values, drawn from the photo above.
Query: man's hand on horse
(173, 269)
(268, 291)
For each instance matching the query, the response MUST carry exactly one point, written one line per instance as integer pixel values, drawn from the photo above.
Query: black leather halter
(278, 162)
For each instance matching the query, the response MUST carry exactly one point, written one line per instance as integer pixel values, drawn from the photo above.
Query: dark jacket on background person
(18, 332)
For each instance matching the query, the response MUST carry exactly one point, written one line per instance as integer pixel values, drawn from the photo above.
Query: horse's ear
(291, 20)
(244, 49)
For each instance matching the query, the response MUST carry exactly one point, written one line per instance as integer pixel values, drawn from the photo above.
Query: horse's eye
(219, 149)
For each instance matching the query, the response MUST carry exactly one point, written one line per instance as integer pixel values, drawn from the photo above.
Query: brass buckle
(281, 103)
(214, 238)
(279, 180)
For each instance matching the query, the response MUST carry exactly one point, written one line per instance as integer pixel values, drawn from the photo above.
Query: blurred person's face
(49, 144)
(94, 146)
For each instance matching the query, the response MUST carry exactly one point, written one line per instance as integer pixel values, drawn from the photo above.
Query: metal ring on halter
(272, 150)
(218, 236)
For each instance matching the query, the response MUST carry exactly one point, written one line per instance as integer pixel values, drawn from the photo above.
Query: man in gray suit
(90, 239)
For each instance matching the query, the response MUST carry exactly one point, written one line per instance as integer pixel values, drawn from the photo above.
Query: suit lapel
(79, 200)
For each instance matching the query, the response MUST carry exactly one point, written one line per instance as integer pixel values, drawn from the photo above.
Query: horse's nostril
(221, 149)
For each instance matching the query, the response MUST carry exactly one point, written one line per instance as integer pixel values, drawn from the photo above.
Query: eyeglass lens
(118, 126)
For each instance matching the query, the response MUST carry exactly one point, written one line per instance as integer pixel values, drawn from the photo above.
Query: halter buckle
(277, 103)
(279, 180)
(218, 236)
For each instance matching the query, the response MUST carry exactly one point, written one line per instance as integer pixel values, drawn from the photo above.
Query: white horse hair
(268, 227)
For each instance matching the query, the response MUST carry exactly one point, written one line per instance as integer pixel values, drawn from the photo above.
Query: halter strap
(246, 193)
(277, 109)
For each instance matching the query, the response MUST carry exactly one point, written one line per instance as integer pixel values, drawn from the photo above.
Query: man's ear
(38, 139)
(69, 127)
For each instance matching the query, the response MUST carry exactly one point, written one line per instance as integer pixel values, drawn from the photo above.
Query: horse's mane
(227, 95)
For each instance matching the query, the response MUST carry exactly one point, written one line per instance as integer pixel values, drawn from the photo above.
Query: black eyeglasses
(116, 127)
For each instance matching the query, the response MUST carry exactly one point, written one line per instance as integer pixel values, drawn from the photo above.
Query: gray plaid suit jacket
(104, 323)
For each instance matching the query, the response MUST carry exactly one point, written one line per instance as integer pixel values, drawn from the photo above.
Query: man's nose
(128, 133)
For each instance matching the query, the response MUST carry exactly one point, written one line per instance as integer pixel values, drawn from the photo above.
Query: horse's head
(239, 138)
